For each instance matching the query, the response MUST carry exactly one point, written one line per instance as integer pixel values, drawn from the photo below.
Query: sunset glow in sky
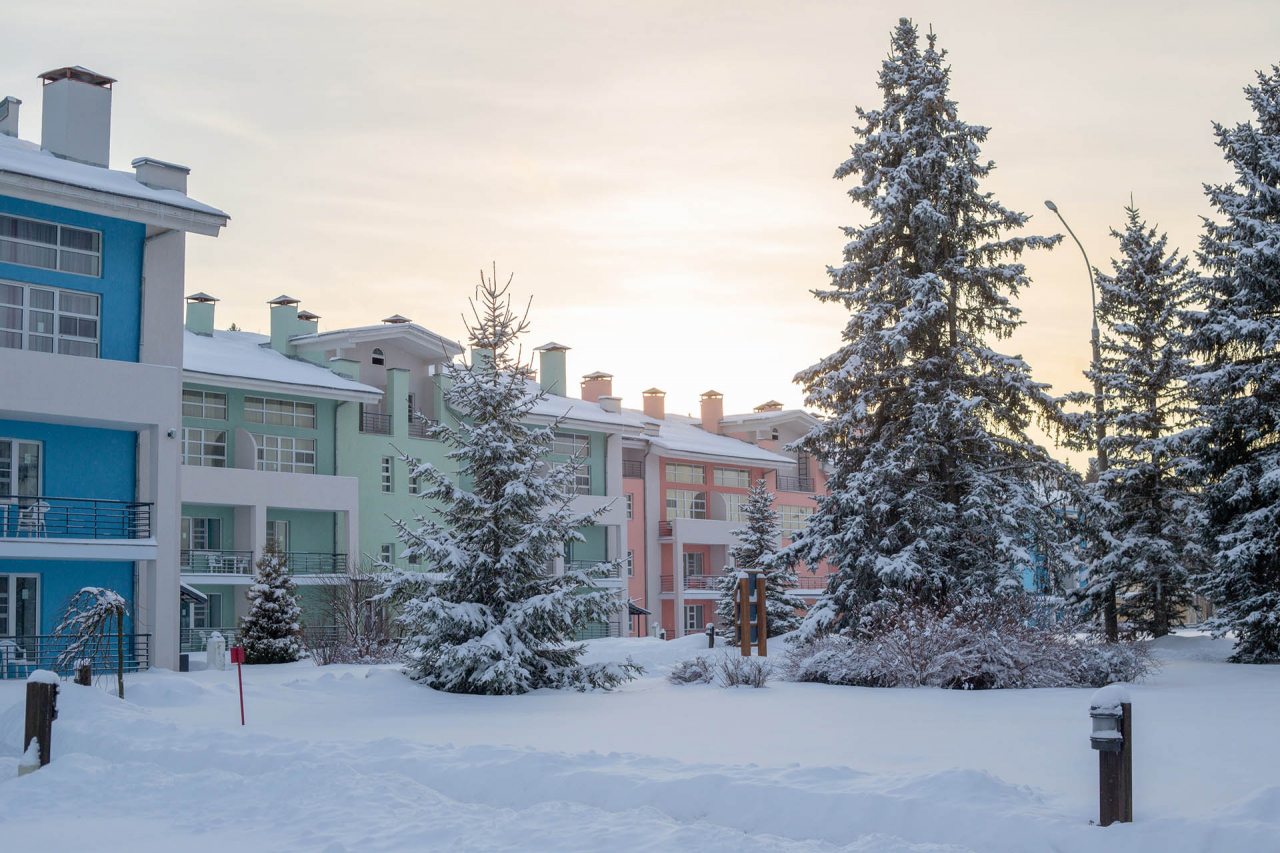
(656, 175)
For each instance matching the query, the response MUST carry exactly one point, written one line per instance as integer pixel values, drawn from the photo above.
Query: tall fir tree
(486, 614)
(1144, 543)
(758, 545)
(1237, 336)
(937, 487)
(272, 628)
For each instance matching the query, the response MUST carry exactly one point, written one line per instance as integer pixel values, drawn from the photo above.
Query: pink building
(685, 481)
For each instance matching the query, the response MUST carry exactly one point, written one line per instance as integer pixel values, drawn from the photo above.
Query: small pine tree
(1238, 384)
(756, 549)
(486, 615)
(271, 631)
(1144, 542)
(937, 486)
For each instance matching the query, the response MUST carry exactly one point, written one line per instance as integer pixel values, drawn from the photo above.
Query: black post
(711, 635)
(1115, 773)
(84, 673)
(42, 710)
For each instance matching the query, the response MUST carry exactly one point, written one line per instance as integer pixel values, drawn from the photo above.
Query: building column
(156, 611)
(677, 575)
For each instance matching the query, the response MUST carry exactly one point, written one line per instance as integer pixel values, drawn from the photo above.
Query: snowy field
(354, 758)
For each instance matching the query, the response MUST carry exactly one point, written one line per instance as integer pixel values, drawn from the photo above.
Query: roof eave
(298, 389)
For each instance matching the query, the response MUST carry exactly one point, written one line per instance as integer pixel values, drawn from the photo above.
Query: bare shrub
(699, 670)
(358, 629)
(736, 670)
(973, 643)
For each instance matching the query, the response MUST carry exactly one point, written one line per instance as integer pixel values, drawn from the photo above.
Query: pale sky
(656, 174)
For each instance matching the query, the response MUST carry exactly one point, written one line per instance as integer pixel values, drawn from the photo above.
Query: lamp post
(1110, 619)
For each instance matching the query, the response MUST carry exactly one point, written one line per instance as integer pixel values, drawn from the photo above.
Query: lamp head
(1051, 205)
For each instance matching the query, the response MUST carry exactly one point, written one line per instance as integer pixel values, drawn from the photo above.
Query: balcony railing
(378, 423)
(794, 484)
(242, 562)
(612, 573)
(217, 562)
(598, 630)
(664, 530)
(21, 656)
(712, 582)
(197, 639)
(633, 468)
(46, 517)
(805, 580)
(421, 428)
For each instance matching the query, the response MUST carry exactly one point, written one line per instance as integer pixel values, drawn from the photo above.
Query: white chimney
(76, 122)
(9, 115)
(160, 175)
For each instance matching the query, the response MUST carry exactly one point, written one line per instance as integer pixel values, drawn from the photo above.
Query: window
(286, 453)
(581, 482)
(209, 405)
(50, 246)
(42, 319)
(19, 470)
(278, 535)
(694, 563)
(571, 444)
(630, 507)
(677, 473)
(693, 618)
(388, 483)
(631, 564)
(413, 485)
(377, 357)
(19, 608)
(204, 447)
(387, 553)
(735, 507)
(735, 478)
(201, 534)
(683, 503)
(793, 518)
(265, 410)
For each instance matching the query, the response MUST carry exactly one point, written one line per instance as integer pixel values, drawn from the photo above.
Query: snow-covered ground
(357, 758)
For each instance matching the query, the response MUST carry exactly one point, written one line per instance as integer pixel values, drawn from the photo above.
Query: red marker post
(237, 658)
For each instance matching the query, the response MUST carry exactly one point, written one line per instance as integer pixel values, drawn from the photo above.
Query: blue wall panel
(81, 462)
(59, 580)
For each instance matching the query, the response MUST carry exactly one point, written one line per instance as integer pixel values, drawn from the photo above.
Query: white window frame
(695, 564)
(277, 530)
(631, 506)
(386, 475)
(59, 342)
(204, 405)
(387, 552)
(11, 487)
(694, 616)
(58, 247)
(735, 507)
(732, 478)
(631, 563)
(8, 611)
(575, 445)
(686, 503)
(202, 438)
(683, 472)
(274, 411)
(290, 453)
(195, 533)
(792, 518)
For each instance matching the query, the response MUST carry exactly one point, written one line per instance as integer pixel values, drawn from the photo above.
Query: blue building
(91, 281)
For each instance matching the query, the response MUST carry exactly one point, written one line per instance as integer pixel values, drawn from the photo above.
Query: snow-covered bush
(699, 670)
(736, 671)
(92, 616)
(271, 631)
(969, 643)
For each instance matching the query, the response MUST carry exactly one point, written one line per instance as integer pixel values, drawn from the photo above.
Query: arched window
(377, 356)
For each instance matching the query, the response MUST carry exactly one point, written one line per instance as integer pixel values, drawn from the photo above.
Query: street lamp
(1100, 430)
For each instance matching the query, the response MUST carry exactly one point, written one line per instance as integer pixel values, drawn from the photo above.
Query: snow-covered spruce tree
(485, 614)
(1237, 334)
(937, 488)
(271, 631)
(1144, 543)
(756, 548)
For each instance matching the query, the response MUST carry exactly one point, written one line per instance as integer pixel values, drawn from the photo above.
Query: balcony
(695, 583)
(633, 468)
(598, 630)
(377, 423)
(806, 580)
(612, 573)
(21, 656)
(47, 527)
(217, 562)
(795, 484)
(420, 428)
(240, 564)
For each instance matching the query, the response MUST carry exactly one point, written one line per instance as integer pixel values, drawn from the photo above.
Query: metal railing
(633, 468)
(21, 656)
(217, 562)
(378, 423)
(664, 530)
(712, 582)
(315, 563)
(421, 428)
(788, 483)
(612, 572)
(598, 630)
(197, 639)
(805, 580)
(47, 517)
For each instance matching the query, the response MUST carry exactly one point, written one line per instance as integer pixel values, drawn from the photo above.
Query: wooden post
(1115, 776)
(744, 615)
(42, 709)
(84, 673)
(1126, 766)
(120, 653)
(762, 614)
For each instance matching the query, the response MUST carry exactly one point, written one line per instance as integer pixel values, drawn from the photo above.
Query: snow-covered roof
(679, 434)
(427, 343)
(19, 157)
(246, 358)
(772, 415)
(584, 411)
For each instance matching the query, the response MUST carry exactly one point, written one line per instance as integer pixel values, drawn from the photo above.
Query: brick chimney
(597, 385)
(712, 410)
(655, 403)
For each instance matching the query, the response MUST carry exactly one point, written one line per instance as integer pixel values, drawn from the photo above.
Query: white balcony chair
(31, 518)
